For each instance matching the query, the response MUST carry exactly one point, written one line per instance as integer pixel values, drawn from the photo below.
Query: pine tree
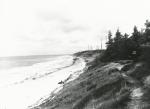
(147, 31)
(126, 36)
(110, 40)
(118, 36)
(147, 24)
(135, 35)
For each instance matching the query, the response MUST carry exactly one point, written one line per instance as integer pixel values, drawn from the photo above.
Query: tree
(110, 40)
(126, 36)
(147, 24)
(122, 48)
(147, 31)
(114, 48)
(135, 35)
(118, 36)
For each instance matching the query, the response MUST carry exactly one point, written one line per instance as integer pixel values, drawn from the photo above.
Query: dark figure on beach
(61, 82)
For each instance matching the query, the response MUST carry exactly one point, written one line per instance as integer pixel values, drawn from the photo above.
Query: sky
(41, 27)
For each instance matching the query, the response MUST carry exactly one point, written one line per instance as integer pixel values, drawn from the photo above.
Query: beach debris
(61, 82)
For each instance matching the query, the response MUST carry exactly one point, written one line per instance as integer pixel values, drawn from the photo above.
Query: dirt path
(137, 93)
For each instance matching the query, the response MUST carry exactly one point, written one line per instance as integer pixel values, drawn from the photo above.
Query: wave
(23, 86)
(21, 74)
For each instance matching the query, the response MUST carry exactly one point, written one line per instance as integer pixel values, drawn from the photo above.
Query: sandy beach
(28, 86)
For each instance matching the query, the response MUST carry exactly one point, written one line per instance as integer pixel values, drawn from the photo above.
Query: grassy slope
(100, 87)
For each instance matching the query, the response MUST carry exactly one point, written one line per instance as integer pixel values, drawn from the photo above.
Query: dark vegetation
(124, 47)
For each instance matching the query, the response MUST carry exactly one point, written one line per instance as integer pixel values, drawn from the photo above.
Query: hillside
(120, 84)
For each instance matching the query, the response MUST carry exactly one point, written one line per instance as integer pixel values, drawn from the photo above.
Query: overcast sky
(33, 27)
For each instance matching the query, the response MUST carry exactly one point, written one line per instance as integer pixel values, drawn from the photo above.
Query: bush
(127, 67)
(140, 72)
(145, 55)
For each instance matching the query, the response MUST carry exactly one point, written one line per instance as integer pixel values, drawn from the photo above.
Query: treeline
(124, 46)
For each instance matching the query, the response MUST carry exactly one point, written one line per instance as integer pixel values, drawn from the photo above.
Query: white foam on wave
(28, 90)
(15, 75)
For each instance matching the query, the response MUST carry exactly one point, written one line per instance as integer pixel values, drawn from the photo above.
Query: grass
(92, 84)
(141, 72)
(116, 86)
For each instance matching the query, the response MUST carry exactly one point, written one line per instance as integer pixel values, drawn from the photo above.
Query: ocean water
(25, 80)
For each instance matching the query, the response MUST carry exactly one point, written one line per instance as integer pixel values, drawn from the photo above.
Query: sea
(26, 80)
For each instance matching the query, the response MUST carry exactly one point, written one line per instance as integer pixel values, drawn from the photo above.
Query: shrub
(145, 55)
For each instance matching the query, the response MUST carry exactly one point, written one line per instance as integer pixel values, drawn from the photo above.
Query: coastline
(61, 83)
(35, 83)
(113, 85)
(87, 57)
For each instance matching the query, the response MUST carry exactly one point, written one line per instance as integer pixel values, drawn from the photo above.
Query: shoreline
(66, 80)
(35, 83)
(87, 57)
